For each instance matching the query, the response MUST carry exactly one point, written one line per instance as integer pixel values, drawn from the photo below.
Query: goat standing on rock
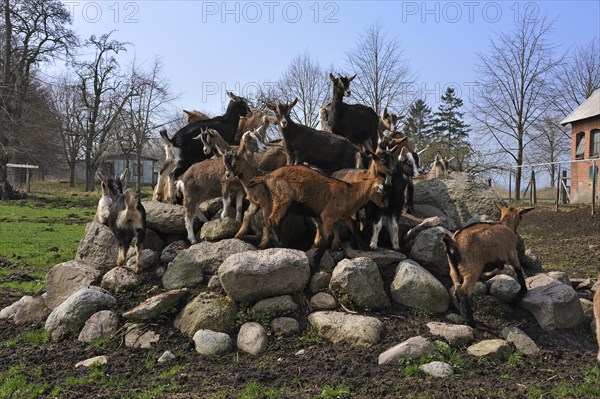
(477, 246)
(127, 220)
(112, 188)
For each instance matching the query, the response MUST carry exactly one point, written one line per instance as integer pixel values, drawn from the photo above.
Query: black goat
(112, 188)
(187, 151)
(305, 144)
(358, 123)
(389, 215)
(127, 220)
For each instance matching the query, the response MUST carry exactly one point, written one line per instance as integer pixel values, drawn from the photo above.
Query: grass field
(41, 231)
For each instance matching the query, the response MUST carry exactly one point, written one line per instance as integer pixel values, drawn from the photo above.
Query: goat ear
(101, 177)
(499, 206)
(124, 175)
(231, 95)
(187, 112)
(331, 77)
(293, 102)
(272, 107)
(385, 112)
(351, 78)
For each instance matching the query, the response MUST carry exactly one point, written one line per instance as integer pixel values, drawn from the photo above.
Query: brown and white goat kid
(127, 220)
(331, 201)
(439, 167)
(387, 122)
(473, 248)
(111, 189)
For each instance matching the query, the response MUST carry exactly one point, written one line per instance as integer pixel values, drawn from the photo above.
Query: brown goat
(597, 317)
(439, 168)
(387, 122)
(473, 248)
(331, 201)
(194, 116)
(258, 120)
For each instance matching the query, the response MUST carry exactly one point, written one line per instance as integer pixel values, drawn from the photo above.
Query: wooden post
(28, 180)
(563, 182)
(594, 176)
(509, 186)
(557, 187)
(532, 189)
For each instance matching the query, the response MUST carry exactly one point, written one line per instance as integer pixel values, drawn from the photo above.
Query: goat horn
(450, 159)
(423, 150)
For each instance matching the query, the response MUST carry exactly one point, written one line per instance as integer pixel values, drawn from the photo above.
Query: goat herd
(313, 173)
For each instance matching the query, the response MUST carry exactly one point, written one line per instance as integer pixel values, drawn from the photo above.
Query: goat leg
(122, 256)
(410, 193)
(376, 230)
(246, 222)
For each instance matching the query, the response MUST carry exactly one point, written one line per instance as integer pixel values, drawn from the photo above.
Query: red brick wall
(581, 185)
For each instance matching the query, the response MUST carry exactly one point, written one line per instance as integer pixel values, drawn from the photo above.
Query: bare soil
(565, 367)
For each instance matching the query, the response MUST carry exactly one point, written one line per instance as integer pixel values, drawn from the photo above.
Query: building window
(595, 142)
(580, 140)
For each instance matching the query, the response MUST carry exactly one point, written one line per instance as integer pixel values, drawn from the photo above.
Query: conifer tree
(418, 124)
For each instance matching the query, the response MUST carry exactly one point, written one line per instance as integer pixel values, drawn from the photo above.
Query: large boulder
(156, 305)
(207, 312)
(100, 325)
(120, 279)
(553, 304)
(360, 279)
(252, 338)
(409, 349)
(190, 265)
(459, 196)
(455, 334)
(98, 247)
(253, 275)
(166, 218)
(219, 229)
(212, 343)
(350, 329)
(415, 287)
(66, 278)
(70, 316)
(430, 252)
(27, 310)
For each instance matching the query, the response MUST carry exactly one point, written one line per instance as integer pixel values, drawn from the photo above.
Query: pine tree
(418, 124)
(450, 135)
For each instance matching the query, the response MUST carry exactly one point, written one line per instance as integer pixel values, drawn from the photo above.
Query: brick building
(585, 144)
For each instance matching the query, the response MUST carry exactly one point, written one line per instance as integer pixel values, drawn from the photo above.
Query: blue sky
(209, 46)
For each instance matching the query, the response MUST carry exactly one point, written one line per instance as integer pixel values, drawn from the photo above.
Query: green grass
(16, 383)
(38, 233)
(37, 337)
(340, 391)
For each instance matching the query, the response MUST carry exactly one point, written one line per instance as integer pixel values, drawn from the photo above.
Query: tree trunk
(71, 174)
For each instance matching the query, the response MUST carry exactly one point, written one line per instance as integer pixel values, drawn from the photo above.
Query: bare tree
(577, 78)
(34, 31)
(306, 80)
(511, 96)
(551, 144)
(142, 112)
(383, 75)
(105, 91)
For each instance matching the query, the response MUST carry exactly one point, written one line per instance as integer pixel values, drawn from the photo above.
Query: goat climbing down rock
(476, 246)
(127, 220)
(112, 188)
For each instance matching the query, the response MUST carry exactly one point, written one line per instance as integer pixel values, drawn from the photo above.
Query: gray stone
(98, 247)
(10, 311)
(588, 308)
(553, 304)
(430, 252)
(100, 325)
(455, 318)
(495, 348)
(97, 360)
(120, 279)
(148, 258)
(169, 253)
(455, 334)
(319, 282)
(504, 288)
(32, 310)
(350, 329)
(360, 279)
(411, 348)
(166, 357)
(219, 229)
(207, 311)
(166, 218)
(214, 283)
(285, 326)
(585, 294)
(156, 305)
(480, 289)
(563, 277)
(153, 241)
(66, 278)
(530, 262)
(249, 276)
(70, 315)
(322, 301)
(459, 195)
(437, 369)
(276, 306)
(428, 223)
(212, 343)
(428, 211)
(415, 287)
(520, 340)
(479, 219)
(252, 339)
(381, 256)
(139, 336)
(182, 272)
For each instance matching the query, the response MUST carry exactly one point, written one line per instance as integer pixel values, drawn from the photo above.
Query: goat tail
(165, 136)
(453, 253)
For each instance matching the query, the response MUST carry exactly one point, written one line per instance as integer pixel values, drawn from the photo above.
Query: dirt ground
(565, 367)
